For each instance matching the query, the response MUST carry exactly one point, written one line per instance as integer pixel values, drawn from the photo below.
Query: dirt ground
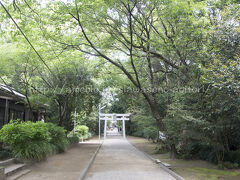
(64, 166)
(189, 169)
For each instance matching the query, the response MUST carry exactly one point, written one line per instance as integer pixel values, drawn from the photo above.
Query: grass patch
(188, 169)
(213, 173)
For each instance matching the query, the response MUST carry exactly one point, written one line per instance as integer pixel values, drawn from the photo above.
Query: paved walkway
(119, 160)
(64, 166)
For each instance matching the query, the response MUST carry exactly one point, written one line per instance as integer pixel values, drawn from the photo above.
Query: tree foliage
(173, 63)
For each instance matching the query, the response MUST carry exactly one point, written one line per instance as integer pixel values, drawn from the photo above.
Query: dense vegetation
(173, 63)
(34, 141)
(4, 153)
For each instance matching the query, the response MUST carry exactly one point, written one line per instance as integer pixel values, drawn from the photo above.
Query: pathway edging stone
(84, 172)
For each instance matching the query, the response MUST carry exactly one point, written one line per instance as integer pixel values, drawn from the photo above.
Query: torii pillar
(124, 132)
(105, 129)
(113, 117)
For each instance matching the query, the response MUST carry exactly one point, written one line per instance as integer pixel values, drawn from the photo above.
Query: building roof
(10, 91)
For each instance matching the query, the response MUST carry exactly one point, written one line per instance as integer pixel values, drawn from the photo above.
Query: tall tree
(144, 39)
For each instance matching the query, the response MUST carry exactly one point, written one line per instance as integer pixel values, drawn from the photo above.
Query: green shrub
(150, 133)
(228, 165)
(73, 140)
(58, 136)
(138, 133)
(87, 136)
(160, 148)
(190, 150)
(142, 125)
(82, 132)
(4, 153)
(220, 166)
(29, 140)
(34, 151)
(207, 153)
(232, 156)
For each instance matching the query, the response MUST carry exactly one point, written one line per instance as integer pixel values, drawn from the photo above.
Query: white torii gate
(113, 117)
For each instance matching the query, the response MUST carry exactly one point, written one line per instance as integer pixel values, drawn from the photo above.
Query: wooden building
(13, 106)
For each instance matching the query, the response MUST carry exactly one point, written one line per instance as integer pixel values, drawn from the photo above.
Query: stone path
(119, 160)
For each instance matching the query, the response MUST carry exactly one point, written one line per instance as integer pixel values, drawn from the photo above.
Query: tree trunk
(154, 106)
(30, 107)
(173, 151)
(60, 115)
(161, 126)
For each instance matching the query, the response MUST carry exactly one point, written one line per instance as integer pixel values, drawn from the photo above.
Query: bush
(191, 150)
(150, 133)
(228, 165)
(34, 151)
(5, 153)
(58, 136)
(34, 141)
(160, 148)
(82, 132)
(26, 140)
(232, 156)
(73, 140)
(142, 125)
(138, 133)
(206, 152)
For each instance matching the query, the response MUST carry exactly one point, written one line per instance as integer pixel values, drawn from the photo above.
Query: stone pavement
(119, 160)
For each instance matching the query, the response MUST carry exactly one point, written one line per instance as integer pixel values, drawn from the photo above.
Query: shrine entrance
(113, 118)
